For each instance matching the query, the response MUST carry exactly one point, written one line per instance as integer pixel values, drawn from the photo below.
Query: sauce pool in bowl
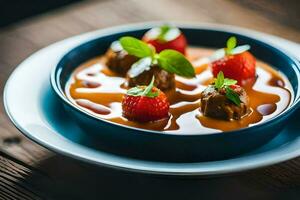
(99, 91)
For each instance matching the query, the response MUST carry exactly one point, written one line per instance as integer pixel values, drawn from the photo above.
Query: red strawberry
(239, 66)
(166, 37)
(145, 104)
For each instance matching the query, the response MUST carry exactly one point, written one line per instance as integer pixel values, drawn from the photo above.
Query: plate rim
(89, 36)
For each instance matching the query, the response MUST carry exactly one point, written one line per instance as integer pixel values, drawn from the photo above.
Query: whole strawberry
(145, 104)
(166, 37)
(236, 63)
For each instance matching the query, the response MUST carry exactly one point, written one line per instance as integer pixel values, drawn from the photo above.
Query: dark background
(287, 11)
(14, 10)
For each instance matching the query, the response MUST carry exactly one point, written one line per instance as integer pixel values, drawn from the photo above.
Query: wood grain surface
(28, 171)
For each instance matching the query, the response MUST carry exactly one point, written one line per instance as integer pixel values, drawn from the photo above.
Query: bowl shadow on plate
(50, 102)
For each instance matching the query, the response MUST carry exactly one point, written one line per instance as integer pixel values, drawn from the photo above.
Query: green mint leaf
(219, 81)
(240, 49)
(228, 82)
(139, 67)
(222, 82)
(136, 47)
(136, 91)
(174, 62)
(231, 49)
(144, 91)
(148, 89)
(231, 43)
(164, 28)
(233, 96)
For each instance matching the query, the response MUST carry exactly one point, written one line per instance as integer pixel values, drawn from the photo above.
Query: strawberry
(145, 104)
(166, 37)
(237, 63)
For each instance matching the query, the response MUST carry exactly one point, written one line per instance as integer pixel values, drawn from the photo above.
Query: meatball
(215, 104)
(163, 79)
(118, 60)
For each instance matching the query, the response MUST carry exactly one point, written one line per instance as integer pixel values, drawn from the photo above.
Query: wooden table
(28, 171)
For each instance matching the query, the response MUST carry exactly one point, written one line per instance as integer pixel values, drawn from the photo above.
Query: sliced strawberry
(166, 37)
(144, 104)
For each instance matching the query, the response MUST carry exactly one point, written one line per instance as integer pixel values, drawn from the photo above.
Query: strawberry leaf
(219, 82)
(231, 43)
(163, 33)
(228, 82)
(135, 91)
(168, 33)
(231, 49)
(163, 30)
(144, 91)
(148, 89)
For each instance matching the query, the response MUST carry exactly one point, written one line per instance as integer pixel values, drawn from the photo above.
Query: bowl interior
(196, 37)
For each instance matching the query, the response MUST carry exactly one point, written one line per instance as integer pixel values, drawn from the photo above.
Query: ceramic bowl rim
(55, 84)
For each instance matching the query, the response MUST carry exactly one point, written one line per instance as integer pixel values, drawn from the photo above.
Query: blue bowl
(168, 147)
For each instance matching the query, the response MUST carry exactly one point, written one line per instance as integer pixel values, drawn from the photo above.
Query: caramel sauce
(98, 90)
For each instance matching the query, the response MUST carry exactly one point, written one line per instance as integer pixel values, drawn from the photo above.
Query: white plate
(33, 108)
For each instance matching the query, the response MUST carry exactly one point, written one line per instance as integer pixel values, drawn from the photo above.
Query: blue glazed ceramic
(168, 147)
(39, 115)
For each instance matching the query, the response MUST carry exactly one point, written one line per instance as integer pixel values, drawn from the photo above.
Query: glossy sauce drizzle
(98, 90)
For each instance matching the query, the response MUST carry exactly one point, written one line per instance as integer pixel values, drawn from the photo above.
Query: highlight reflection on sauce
(98, 90)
